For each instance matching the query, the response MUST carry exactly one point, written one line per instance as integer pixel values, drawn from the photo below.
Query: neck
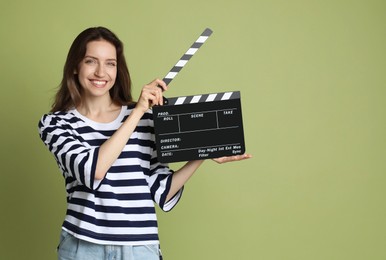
(95, 106)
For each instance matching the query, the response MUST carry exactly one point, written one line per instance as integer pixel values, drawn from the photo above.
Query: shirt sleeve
(74, 159)
(160, 181)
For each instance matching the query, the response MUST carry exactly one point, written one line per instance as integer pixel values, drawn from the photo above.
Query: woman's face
(98, 69)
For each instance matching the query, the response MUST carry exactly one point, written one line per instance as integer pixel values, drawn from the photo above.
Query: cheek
(113, 74)
(82, 77)
(82, 72)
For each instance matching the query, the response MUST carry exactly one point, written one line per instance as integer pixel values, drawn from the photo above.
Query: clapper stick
(186, 57)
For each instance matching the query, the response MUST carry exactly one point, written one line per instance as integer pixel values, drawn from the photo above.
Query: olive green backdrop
(313, 84)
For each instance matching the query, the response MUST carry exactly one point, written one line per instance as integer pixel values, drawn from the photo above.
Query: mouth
(98, 83)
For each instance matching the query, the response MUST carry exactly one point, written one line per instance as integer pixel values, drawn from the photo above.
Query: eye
(89, 61)
(111, 64)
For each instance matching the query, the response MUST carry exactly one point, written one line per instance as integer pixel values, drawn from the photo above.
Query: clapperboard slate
(201, 126)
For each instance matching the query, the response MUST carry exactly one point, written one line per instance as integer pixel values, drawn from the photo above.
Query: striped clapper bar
(186, 57)
(199, 127)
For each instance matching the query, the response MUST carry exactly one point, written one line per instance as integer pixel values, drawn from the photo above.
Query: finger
(161, 84)
(152, 90)
(157, 92)
(148, 95)
(156, 87)
(232, 158)
(241, 157)
(247, 156)
(152, 99)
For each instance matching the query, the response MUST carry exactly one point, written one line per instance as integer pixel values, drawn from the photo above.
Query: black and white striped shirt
(120, 208)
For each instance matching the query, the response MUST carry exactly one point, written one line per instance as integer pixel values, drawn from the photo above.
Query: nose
(99, 71)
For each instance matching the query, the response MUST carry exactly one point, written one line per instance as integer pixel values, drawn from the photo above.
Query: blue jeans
(72, 248)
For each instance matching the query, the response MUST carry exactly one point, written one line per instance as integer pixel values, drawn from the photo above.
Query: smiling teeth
(99, 82)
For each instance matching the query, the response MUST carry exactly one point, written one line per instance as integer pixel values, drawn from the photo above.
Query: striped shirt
(120, 208)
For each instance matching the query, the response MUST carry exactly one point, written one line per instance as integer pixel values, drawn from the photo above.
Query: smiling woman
(104, 145)
(85, 51)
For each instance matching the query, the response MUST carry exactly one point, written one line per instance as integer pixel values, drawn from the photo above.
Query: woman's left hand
(233, 158)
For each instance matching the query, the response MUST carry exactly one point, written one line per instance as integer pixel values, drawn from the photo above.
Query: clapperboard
(199, 126)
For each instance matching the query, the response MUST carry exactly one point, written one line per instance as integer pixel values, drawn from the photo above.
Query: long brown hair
(69, 93)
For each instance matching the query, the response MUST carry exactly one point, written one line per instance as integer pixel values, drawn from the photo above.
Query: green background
(313, 85)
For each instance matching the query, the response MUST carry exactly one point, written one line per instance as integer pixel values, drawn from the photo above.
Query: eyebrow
(95, 58)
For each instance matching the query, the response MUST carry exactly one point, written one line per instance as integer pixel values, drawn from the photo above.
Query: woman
(104, 145)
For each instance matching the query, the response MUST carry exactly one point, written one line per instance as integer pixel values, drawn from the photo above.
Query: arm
(181, 176)
(112, 148)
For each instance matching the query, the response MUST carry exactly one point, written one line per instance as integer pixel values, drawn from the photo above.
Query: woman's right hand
(151, 95)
